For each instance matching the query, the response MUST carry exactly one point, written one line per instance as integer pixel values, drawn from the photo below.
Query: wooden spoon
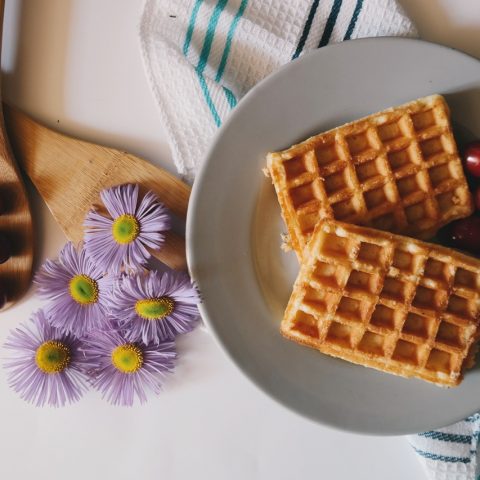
(15, 221)
(70, 174)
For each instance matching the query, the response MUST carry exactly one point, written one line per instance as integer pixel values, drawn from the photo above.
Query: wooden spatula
(69, 175)
(15, 221)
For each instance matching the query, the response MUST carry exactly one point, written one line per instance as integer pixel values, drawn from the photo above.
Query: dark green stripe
(332, 18)
(447, 437)
(306, 29)
(228, 43)
(442, 458)
(353, 21)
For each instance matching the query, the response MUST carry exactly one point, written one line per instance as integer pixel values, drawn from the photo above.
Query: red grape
(471, 157)
(5, 248)
(465, 234)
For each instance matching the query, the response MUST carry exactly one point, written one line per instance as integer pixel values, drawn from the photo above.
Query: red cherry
(465, 234)
(471, 158)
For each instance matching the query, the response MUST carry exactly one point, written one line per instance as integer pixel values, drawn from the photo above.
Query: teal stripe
(228, 43)
(353, 21)
(191, 26)
(442, 458)
(447, 437)
(207, 44)
(232, 101)
(208, 99)
(332, 18)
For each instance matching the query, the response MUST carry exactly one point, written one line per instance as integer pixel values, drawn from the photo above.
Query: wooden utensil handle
(15, 220)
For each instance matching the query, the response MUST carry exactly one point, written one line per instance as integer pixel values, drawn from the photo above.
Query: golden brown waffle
(397, 170)
(387, 302)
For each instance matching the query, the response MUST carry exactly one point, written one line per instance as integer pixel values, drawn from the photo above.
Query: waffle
(387, 302)
(397, 170)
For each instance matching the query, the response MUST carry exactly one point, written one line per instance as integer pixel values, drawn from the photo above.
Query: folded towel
(450, 453)
(202, 56)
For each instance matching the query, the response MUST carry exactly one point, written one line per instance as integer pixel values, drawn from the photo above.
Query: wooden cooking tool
(69, 175)
(15, 221)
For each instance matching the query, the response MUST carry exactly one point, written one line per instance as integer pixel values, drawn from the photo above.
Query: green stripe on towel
(191, 26)
(447, 437)
(353, 21)
(212, 25)
(232, 101)
(332, 18)
(442, 458)
(228, 43)
(306, 29)
(208, 99)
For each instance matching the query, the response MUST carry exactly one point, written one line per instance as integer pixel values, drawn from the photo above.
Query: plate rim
(191, 225)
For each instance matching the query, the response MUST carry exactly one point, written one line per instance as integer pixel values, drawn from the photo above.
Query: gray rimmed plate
(234, 226)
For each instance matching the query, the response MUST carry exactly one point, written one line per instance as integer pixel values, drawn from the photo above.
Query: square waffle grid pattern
(397, 171)
(386, 302)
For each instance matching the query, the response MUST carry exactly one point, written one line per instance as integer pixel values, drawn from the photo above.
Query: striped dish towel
(202, 56)
(450, 453)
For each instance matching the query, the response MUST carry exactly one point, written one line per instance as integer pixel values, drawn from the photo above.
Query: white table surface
(76, 65)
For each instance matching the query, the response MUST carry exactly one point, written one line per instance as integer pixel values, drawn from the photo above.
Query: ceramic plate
(234, 226)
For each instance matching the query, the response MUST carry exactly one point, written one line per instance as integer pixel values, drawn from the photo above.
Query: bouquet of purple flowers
(109, 321)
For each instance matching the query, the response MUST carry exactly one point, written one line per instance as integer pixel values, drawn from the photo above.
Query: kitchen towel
(202, 56)
(450, 453)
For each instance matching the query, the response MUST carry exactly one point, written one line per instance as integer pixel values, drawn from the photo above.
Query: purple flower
(77, 289)
(46, 366)
(123, 239)
(155, 306)
(122, 370)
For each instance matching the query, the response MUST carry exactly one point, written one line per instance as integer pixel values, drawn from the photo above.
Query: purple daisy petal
(32, 383)
(153, 220)
(117, 386)
(174, 286)
(120, 200)
(53, 283)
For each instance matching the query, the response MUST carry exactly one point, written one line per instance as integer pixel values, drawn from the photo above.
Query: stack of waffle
(365, 293)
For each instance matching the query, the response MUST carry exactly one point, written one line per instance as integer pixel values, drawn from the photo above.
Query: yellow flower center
(128, 358)
(125, 229)
(52, 357)
(83, 289)
(154, 308)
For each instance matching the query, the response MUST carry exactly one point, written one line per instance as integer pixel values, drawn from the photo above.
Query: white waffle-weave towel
(202, 56)
(450, 453)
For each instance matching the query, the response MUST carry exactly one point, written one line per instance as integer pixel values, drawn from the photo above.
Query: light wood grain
(16, 221)
(69, 174)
